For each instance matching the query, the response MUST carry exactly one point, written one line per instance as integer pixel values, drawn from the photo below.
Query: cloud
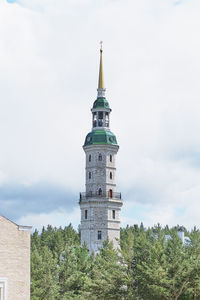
(21, 200)
(57, 218)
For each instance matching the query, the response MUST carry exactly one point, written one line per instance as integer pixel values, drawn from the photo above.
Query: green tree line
(152, 264)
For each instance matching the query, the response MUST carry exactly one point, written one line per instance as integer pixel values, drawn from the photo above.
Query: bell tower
(100, 204)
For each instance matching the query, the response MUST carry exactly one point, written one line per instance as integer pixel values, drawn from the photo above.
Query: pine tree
(109, 275)
(44, 274)
(74, 269)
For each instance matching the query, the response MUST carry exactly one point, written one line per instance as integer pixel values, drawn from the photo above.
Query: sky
(49, 59)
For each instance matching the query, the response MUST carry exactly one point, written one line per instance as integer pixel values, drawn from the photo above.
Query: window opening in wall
(100, 122)
(113, 214)
(99, 235)
(100, 157)
(110, 175)
(100, 115)
(86, 214)
(90, 157)
(110, 193)
(107, 120)
(2, 290)
(100, 192)
(90, 175)
(110, 158)
(95, 119)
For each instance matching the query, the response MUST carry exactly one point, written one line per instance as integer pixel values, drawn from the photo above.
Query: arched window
(100, 121)
(99, 235)
(100, 115)
(90, 175)
(110, 158)
(110, 194)
(86, 214)
(90, 157)
(107, 120)
(100, 157)
(113, 214)
(110, 175)
(94, 119)
(100, 192)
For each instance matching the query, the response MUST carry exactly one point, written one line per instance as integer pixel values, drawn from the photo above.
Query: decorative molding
(101, 93)
(101, 228)
(24, 228)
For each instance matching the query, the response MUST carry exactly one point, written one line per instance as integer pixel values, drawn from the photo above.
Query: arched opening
(110, 175)
(110, 158)
(99, 235)
(110, 193)
(100, 192)
(107, 119)
(94, 119)
(100, 157)
(90, 157)
(90, 175)
(100, 121)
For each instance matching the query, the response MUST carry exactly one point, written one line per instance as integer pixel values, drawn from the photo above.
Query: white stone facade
(99, 168)
(99, 218)
(100, 213)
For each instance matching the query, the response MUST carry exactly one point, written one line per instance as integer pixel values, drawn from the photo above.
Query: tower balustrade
(107, 195)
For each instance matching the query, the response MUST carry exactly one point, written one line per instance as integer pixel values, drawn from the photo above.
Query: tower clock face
(111, 139)
(88, 138)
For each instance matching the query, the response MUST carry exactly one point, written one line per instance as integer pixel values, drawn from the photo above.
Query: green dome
(101, 103)
(100, 137)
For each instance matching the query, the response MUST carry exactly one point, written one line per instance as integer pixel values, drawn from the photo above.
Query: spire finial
(101, 46)
(101, 77)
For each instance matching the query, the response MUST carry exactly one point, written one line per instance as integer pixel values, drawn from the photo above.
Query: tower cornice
(109, 147)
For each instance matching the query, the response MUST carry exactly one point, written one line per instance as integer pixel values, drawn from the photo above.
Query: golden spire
(101, 77)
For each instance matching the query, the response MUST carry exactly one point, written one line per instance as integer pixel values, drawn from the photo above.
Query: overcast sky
(49, 59)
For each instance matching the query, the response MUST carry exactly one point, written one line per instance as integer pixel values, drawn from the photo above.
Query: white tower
(100, 205)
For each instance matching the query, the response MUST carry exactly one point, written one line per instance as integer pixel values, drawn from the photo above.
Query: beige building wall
(14, 260)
